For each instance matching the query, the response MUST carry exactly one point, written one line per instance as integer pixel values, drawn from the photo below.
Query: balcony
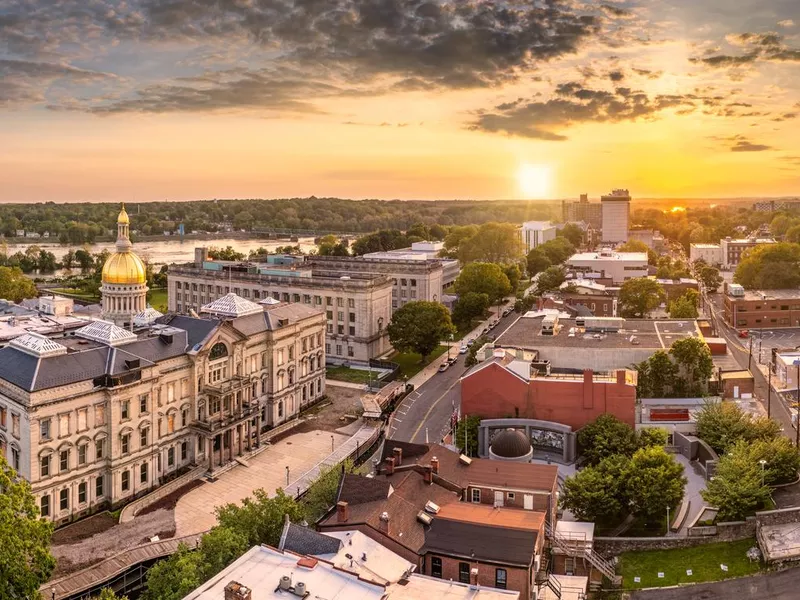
(221, 388)
(220, 422)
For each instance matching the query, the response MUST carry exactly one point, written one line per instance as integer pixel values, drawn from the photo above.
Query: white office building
(616, 216)
(710, 253)
(607, 265)
(535, 233)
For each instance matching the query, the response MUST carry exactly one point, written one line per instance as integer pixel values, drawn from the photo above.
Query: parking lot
(765, 340)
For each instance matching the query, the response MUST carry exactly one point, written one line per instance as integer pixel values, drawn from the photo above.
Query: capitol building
(97, 415)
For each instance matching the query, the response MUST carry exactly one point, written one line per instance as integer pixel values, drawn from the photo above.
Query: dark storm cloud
(768, 47)
(421, 44)
(573, 104)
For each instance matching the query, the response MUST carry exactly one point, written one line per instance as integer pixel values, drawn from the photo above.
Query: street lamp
(331, 442)
(287, 476)
(762, 462)
(769, 389)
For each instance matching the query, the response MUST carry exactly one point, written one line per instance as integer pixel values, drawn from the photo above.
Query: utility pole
(769, 390)
(750, 357)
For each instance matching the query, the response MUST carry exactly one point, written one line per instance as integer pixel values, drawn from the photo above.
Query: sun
(534, 180)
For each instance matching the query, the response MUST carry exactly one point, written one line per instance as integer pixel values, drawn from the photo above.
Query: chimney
(384, 523)
(398, 456)
(427, 473)
(236, 591)
(342, 512)
(473, 576)
(389, 465)
(435, 465)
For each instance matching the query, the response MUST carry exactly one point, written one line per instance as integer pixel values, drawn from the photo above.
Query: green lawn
(350, 375)
(703, 560)
(157, 298)
(75, 293)
(410, 363)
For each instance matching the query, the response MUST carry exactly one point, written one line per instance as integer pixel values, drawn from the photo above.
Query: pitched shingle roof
(308, 542)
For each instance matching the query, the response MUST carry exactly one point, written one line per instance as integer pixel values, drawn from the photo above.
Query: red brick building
(494, 391)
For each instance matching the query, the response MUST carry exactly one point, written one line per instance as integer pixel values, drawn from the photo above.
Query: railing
(236, 382)
(567, 546)
(215, 424)
(132, 509)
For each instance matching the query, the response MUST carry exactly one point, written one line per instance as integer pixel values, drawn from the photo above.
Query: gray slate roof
(308, 542)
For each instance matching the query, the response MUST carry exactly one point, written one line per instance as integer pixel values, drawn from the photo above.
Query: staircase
(543, 578)
(571, 548)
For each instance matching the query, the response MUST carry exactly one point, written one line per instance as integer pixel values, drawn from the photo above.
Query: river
(164, 252)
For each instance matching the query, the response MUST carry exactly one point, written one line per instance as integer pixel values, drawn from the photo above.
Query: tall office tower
(616, 216)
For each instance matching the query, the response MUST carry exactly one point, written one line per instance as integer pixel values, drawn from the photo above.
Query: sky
(142, 100)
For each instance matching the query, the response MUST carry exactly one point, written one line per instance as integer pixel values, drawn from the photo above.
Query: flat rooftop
(767, 295)
(606, 256)
(706, 246)
(750, 241)
(421, 587)
(646, 333)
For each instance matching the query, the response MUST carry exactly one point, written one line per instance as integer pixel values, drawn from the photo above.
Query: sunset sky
(189, 99)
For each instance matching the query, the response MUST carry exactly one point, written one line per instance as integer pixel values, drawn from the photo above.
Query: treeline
(85, 222)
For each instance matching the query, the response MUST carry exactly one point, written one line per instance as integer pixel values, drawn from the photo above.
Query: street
(774, 586)
(424, 415)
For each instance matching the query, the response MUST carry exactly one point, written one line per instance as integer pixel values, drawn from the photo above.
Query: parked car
(463, 349)
(443, 367)
(744, 333)
(470, 342)
(506, 312)
(453, 359)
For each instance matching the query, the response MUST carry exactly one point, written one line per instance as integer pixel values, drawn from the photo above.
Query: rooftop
(360, 554)
(261, 569)
(606, 255)
(421, 587)
(641, 333)
(751, 240)
(706, 246)
(755, 295)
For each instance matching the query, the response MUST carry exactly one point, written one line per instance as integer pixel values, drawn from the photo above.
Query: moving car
(453, 359)
(463, 349)
(443, 367)
(470, 342)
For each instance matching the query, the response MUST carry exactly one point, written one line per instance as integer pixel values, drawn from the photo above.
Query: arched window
(218, 350)
(264, 385)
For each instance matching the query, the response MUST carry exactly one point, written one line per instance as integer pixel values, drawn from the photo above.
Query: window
(329, 328)
(413, 282)
(171, 457)
(291, 352)
(98, 487)
(143, 435)
(143, 404)
(351, 303)
(280, 409)
(126, 442)
(99, 447)
(339, 302)
(340, 315)
(328, 301)
(218, 350)
(340, 329)
(63, 461)
(44, 505)
(63, 499)
(352, 330)
(99, 415)
(44, 428)
(338, 349)
(44, 466)
(463, 572)
(171, 423)
(476, 495)
(327, 348)
(82, 452)
(3, 415)
(317, 300)
(511, 495)
(185, 411)
(143, 473)
(403, 282)
(184, 450)
(83, 419)
(500, 579)
(124, 410)
(126, 481)
(352, 317)
(82, 493)
(15, 458)
(436, 567)
(350, 351)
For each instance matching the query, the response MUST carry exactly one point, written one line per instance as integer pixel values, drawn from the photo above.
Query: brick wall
(495, 393)
(540, 501)
(518, 579)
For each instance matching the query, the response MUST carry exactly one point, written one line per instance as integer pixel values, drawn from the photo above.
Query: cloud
(574, 104)
(23, 81)
(758, 47)
(786, 23)
(739, 143)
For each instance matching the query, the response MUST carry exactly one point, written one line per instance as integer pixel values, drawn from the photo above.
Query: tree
(770, 267)
(592, 495)
(420, 327)
(321, 495)
(514, 275)
(227, 253)
(84, 259)
(652, 437)
(711, 278)
(457, 236)
(471, 358)
(684, 307)
(654, 481)
(467, 434)
(737, 488)
(483, 278)
(656, 376)
(438, 232)
(573, 233)
(536, 261)
(638, 296)
(25, 559)
(69, 259)
(695, 366)
(781, 458)
(604, 437)
(469, 306)
(219, 548)
(722, 424)
(793, 234)
(557, 250)
(494, 243)
(260, 519)
(108, 594)
(175, 577)
(14, 286)
(550, 279)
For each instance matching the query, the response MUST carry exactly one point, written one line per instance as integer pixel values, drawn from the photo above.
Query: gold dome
(124, 268)
(123, 219)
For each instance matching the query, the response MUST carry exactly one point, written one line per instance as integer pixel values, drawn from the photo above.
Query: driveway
(772, 586)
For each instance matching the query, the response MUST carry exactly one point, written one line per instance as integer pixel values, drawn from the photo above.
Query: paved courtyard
(194, 512)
